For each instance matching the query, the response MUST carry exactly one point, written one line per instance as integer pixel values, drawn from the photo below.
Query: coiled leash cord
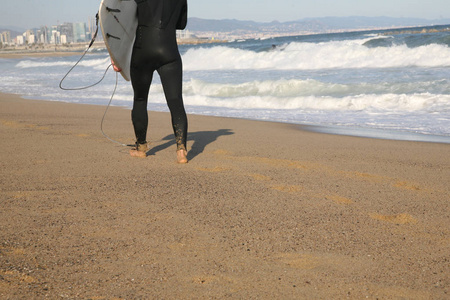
(82, 56)
(94, 84)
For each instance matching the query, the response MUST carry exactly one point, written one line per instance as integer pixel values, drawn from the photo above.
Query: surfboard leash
(81, 58)
(104, 115)
(92, 85)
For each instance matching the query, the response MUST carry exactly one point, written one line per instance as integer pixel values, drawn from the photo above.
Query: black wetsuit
(156, 48)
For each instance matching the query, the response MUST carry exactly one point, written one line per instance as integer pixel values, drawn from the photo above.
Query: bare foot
(181, 156)
(139, 151)
(136, 153)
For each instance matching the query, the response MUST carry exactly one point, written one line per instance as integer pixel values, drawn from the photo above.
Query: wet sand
(262, 210)
(4, 54)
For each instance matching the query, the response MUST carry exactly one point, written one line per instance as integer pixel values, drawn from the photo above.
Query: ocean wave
(310, 95)
(97, 63)
(278, 88)
(315, 56)
(284, 88)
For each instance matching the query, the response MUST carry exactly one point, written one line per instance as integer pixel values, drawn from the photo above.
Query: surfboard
(118, 21)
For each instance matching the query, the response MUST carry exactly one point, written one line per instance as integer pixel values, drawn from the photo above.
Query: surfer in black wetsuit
(156, 49)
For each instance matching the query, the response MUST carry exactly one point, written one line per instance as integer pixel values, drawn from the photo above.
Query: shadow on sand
(200, 138)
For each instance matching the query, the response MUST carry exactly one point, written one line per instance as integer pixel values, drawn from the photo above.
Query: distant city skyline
(27, 14)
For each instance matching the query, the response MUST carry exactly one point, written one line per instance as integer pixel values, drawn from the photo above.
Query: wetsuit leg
(171, 75)
(141, 80)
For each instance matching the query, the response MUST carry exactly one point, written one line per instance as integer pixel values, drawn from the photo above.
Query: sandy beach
(18, 55)
(261, 211)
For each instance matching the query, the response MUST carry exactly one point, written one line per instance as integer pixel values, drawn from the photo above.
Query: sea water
(373, 83)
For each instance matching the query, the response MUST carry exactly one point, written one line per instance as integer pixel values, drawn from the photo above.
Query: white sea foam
(296, 87)
(309, 94)
(100, 63)
(369, 103)
(314, 56)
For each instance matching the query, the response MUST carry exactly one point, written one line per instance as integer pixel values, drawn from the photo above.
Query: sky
(27, 14)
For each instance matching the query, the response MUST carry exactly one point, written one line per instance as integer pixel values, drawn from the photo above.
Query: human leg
(171, 78)
(139, 115)
(141, 80)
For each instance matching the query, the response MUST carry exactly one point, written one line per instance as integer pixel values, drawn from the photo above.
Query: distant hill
(355, 22)
(316, 25)
(311, 25)
(14, 32)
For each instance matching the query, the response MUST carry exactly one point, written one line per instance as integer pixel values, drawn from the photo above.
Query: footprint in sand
(14, 277)
(14, 124)
(406, 186)
(398, 184)
(12, 251)
(301, 261)
(340, 200)
(22, 194)
(400, 219)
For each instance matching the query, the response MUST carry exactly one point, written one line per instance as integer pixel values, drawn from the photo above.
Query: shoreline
(377, 133)
(352, 131)
(19, 55)
(262, 210)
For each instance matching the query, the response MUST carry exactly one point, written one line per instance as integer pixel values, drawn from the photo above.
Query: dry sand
(262, 211)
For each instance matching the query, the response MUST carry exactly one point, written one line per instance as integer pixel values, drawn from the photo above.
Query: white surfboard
(118, 21)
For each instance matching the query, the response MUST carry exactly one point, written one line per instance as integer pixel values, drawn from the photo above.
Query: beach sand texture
(262, 210)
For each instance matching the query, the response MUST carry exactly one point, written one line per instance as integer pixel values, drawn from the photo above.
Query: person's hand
(117, 69)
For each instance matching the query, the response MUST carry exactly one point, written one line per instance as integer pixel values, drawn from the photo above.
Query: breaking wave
(315, 56)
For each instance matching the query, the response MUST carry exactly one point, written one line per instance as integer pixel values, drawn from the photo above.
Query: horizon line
(268, 22)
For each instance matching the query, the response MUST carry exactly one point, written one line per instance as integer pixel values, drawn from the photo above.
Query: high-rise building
(29, 37)
(79, 32)
(67, 30)
(44, 35)
(55, 35)
(5, 37)
(19, 40)
(91, 27)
